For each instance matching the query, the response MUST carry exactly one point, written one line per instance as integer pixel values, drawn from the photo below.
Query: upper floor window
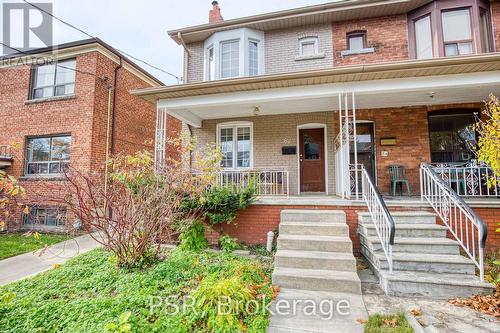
(236, 143)
(308, 46)
(442, 29)
(457, 34)
(356, 40)
(234, 53)
(47, 155)
(54, 79)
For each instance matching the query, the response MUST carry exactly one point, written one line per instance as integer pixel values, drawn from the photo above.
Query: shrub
(228, 243)
(222, 303)
(193, 238)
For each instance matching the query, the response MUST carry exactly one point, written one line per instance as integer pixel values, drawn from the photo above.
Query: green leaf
(124, 317)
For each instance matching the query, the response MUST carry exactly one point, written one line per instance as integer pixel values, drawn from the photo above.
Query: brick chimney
(214, 15)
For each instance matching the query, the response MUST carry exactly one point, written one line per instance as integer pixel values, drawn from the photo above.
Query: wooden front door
(312, 160)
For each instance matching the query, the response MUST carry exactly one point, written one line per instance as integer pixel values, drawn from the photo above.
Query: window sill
(49, 99)
(311, 57)
(53, 177)
(354, 52)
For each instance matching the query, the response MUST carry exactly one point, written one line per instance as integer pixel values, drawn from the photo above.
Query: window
(452, 137)
(210, 64)
(423, 37)
(54, 80)
(253, 58)
(308, 46)
(54, 216)
(235, 142)
(444, 28)
(457, 34)
(230, 57)
(47, 155)
(356, 41)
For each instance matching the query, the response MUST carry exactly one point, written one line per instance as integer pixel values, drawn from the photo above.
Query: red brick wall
(495, 16)
(82, 116)
(388, 35)
(252, 224)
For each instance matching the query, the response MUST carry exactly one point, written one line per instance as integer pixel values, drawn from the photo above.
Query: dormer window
(308, 46)
(234, 53)
(441, 29)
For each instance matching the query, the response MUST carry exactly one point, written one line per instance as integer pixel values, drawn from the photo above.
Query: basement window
(51, 217)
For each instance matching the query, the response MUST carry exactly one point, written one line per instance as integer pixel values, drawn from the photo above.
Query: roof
(83, 43)
(316, 14)
(401, 69)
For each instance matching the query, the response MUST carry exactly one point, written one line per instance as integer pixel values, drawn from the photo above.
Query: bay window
(234, 53)
(236, 143)
(450, 28)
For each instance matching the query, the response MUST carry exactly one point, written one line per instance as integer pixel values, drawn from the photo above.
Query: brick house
(54, 106)
(316, 101)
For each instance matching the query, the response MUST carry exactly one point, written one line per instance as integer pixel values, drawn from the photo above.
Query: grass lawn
(14, 244)
(91, 294)
(388, 324)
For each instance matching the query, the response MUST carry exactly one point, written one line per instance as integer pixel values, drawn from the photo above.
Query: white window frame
(210, 72)
(308, 40)
(244, 35)
(249, 41)
(240, 58)
(234, 126)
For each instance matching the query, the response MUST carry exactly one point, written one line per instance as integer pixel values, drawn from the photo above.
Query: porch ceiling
(412, 91)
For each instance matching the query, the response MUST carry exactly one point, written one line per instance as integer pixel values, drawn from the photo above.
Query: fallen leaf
(361, 321)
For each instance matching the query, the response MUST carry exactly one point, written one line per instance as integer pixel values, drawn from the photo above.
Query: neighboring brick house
(54, 106)
(278, 92)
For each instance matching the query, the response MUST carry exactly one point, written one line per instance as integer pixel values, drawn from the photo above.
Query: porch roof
(405, 83)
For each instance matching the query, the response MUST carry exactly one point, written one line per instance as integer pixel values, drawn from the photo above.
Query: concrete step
(322, 320)
(317, 279)
(335, 261)
(423, 284)
(411, 217)
(312, 215)
(414, 244)
(422, 262)
(407, 230)
(314, 228)
(314, 243)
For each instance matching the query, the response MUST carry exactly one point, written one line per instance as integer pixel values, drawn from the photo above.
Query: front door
(365, 147)
(312, 160)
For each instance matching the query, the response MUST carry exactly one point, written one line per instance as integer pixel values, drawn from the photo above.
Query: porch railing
(268, 182)
(468, 179)
(381, 217)
(5, 152)
(464, 224)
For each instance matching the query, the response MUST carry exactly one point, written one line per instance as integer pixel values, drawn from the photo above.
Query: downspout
(117, 68)
(186, 57)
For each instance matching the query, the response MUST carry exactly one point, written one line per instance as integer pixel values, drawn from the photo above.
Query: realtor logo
(26, 27)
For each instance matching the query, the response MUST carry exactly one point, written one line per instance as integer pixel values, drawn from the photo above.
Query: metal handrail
(5, 152)
(381, 217)
(269, 181)
(455, 214)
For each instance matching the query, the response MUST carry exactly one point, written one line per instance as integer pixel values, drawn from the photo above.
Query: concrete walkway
(31, 263)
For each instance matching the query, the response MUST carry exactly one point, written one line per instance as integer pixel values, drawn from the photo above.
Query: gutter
(186, 57)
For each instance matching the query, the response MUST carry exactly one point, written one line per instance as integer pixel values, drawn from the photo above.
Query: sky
(139, 27)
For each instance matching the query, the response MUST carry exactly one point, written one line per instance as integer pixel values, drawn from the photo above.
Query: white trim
(235, 125)
(325, 135)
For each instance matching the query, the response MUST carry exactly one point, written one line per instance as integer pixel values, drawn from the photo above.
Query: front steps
(425, 262)
(314, 261)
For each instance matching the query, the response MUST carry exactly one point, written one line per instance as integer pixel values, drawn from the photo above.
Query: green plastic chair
(398, 177)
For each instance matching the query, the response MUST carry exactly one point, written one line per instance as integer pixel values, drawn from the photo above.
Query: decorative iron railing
(468, 179)
(6, 152)
(381, 217)
(268, 182)
(464, 224)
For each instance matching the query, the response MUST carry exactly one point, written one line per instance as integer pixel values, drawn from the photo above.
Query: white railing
(268, 182)
(468, 179)
(464, 224)
(381, 217)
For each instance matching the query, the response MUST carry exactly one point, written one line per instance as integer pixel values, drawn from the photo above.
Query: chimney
(214, 15)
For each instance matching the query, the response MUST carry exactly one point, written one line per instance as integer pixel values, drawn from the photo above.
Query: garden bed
(90, 294)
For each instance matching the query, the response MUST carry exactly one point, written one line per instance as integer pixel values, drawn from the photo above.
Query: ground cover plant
(90, 293)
